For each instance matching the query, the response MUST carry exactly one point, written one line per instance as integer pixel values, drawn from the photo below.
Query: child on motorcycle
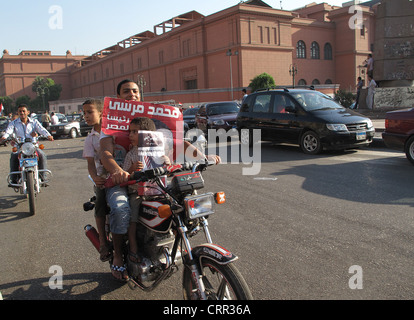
(135, 162)
(92, 110)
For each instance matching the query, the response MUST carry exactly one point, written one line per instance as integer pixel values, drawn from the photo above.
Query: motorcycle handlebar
(142, 176)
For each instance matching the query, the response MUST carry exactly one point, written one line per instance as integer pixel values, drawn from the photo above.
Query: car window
(247, 102)
(222, 108)
(314, 100)
(262, 103)
(280, 103)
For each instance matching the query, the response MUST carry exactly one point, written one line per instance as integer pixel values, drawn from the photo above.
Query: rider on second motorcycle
(25, 127)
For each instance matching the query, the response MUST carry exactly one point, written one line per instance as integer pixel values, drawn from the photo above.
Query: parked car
(399, 131)
(217, 115)
(83, 126)
(308, 118)
(65, 128)
(61, 117)
(189, 116)
(74, 117)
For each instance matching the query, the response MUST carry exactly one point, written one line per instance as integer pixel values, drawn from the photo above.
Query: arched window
(328, 81)
(301, 50)
(302, 82)
(328, 51)
(315, 81)
(315, 50)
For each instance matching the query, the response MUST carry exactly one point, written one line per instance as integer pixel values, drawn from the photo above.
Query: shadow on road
(9, 202)
(83, 286)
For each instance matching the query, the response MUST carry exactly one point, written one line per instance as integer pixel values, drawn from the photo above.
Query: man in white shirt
(25, 127)
(54, 119)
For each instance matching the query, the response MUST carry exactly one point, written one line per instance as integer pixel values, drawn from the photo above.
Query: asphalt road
(332, 226)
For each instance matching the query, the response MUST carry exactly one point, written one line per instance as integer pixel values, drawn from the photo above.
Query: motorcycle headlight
(28, 148)
(199, 205)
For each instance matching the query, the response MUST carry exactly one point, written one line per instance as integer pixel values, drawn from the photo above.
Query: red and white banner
(118, 113)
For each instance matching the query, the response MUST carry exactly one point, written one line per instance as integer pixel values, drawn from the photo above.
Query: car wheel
(310, 143)
(73, 133)
(409, 149)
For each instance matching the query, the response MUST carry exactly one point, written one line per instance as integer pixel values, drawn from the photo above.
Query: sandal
(119, 273)
(105, 253)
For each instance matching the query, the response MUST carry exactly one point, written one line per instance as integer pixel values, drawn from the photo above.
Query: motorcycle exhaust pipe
(92, 235)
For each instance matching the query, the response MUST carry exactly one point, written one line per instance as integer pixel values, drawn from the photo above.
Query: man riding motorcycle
(25, 127)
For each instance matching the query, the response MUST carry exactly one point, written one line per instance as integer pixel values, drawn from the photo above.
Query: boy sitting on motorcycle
(135, 162)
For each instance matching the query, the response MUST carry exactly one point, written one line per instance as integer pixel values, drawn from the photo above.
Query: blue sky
(89, 26)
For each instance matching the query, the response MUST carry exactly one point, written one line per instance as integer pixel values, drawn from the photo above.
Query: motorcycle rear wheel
(31, 192)
(222, 282)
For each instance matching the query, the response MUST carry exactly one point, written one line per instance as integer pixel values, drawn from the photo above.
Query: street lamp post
(293, 70)
(141, 84)
(42, 91)
(229, 54)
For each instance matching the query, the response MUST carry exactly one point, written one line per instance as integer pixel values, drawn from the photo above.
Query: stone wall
(394, 42)
(398, 97)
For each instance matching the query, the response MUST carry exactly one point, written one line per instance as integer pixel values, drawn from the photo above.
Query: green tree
(23, 100)
(345, 98)
(262, 81)
(47, 90)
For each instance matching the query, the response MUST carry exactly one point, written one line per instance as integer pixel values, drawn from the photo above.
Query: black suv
(305, 117)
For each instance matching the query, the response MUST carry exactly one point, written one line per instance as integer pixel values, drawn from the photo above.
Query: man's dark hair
(144, 123)
(23, 105)
(118, 88)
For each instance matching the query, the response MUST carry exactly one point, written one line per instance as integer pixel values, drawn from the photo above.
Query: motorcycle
(167, 223)
(28, 181)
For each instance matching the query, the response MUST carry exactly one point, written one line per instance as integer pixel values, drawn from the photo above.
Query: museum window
(301, 50)
(315, 50)
(190, 84)
(327, 51)
(302, 82)
(316, 81)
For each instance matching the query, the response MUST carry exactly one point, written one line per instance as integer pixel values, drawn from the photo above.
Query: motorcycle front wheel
(31, 192)
(221, 282)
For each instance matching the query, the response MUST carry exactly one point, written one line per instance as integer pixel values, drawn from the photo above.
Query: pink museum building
(194, 58)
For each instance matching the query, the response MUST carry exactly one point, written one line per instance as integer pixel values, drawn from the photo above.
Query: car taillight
(386, 124)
